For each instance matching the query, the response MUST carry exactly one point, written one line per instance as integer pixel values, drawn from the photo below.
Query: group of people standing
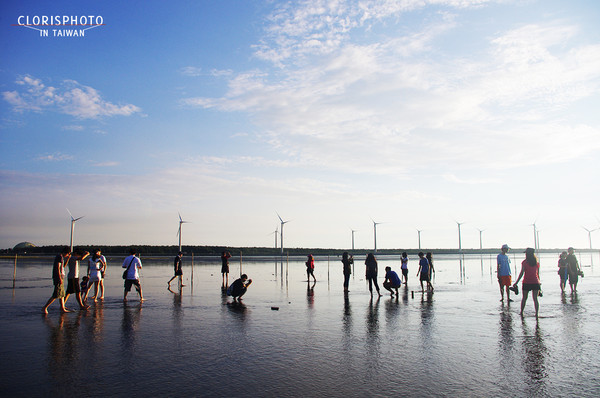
(568, 268)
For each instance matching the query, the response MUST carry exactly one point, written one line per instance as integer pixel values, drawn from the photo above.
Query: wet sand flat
(460, 340)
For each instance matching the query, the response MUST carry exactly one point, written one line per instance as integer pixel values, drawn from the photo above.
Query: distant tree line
(152, 250)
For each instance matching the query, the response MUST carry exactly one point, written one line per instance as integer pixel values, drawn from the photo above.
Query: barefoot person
(347, 261)
(225, 256)
(132, 276)
(423, 271)
(178, 270)
(310, 267)
(102, 259)
(404, 267)
(371, 272)
(503, 271)
(58, 278)
(563, 270)
(73, 286)
(239, 287)
(95, 266)
(392, 281)
(530, 272)
(573, 269)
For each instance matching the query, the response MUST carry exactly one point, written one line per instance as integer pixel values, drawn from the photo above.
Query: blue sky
(416, 114)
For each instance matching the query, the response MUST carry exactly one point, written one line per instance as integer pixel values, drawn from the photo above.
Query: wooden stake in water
(192, 269)
(15, 270)
(241, 264)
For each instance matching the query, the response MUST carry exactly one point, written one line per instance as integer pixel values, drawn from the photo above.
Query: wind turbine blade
(179, 214)
(280, 219)
(70, 215)
(78, 218)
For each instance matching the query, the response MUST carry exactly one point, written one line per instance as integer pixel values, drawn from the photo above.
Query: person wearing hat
(178, 270)
(503, 271)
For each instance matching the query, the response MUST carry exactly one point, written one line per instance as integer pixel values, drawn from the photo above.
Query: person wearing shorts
(392, 281)
(132, 265)
(504, 273)
(73, 286)
(225, 256)
(424, 271)
(58, 278)
(177, 266)
(239, 287)
(404, 267)
(530, 272)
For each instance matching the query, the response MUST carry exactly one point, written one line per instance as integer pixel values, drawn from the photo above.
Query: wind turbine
(282, 224)
(375, 224)
(589, 231)
(73, 220)
(419, 232)
(275, 233)
(353, 231)
(179, 231)
(480, 240)
(535, 235)
(459, 237)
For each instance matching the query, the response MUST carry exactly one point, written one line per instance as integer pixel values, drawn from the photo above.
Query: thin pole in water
(241, 264)
(15, 271)
(192, 269)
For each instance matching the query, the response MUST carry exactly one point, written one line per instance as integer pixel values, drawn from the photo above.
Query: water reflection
(129, 326)
(372, 340)
(310, 294)
(534, 360)
(177, 312)
(506, 345)
(64, 350)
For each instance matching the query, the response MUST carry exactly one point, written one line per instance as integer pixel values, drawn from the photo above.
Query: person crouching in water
(392, 281)
(239, 287)
(310, 267)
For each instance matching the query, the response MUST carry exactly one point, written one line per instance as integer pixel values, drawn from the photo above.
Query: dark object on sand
(515, 289)
(275, 308)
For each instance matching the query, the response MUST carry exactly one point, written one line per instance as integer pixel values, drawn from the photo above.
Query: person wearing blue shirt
(392, 281)
(503, 270)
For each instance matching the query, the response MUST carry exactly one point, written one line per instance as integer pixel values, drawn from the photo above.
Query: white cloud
(55, 157)
(70, 98)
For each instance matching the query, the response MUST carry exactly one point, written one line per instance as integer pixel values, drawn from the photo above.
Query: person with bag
(131, 274)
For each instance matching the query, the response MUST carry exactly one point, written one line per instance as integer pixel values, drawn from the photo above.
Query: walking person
(310, 267)
(392, 281)
(73, 286)
(530, 272)
(225, 256)
(563, 270)
(423, 272)
(102, 259)
(177, 265)
(504, 273)
(404, 267)
(574, 270)
(58, 278)
(429, 258)
(347, 262)
(94, 273)
(371, 272)
(131, 274)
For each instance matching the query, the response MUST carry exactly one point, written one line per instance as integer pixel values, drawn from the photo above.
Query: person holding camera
(239, 287)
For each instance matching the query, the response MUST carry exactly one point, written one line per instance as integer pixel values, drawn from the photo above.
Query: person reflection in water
(239, 287)
(530, 272)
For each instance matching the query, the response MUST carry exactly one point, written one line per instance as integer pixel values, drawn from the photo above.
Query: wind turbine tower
(480, 239)
(419, 232)
(375, 234)
(353, 231)
(73, 220)
(459, 237)
(282, 224)
(179, 230)
(589, 231)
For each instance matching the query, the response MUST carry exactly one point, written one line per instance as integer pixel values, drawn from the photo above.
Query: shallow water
(459, 340)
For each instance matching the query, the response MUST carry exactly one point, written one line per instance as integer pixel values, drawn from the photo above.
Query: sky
(416, 114)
